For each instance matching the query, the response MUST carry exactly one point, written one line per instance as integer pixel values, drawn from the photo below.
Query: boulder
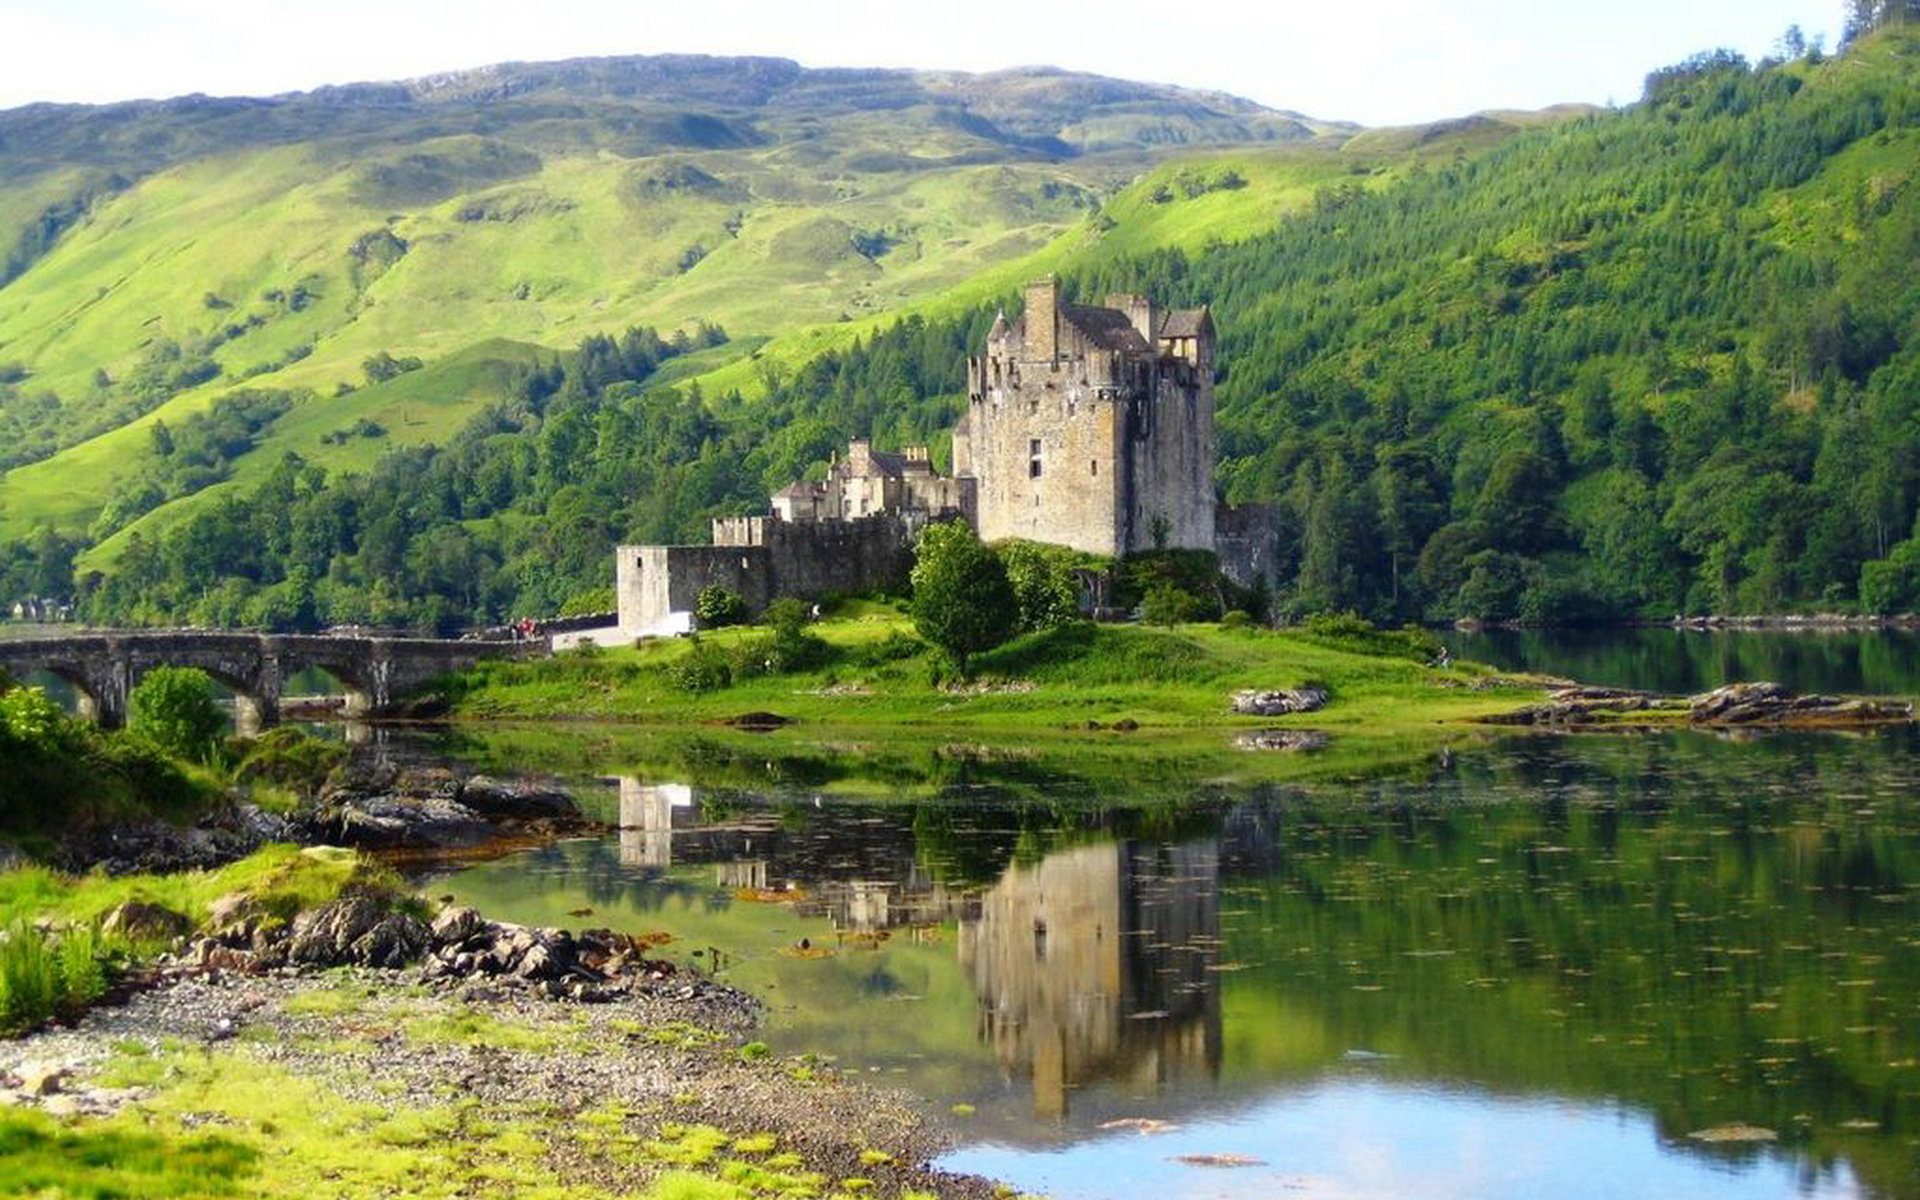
(401, 823)
(1279, 702)
(457, 924)
(139, 921)
(356, 930)
(496, 798)
(1772, 703)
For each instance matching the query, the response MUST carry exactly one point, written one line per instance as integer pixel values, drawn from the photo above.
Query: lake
(1860, 661)
(1674, 965)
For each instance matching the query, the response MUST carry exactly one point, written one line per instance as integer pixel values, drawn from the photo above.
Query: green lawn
(1172, 682)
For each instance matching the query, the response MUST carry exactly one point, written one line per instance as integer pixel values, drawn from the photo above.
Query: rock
(1773, 703)
(356, 930)
(1282, 739)
(401, 823)
(456, 925)
(139, 921)
(1279, 702)
(43, 1078)
(1126, 725)
(230, 909)
(519, 801)
(427, 783)
(758, 720)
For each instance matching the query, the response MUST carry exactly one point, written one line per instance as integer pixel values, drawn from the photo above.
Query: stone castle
(1087, 426)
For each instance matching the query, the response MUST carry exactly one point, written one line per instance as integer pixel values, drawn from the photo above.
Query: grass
(281, 880)
(1166, 680)
(46, 973)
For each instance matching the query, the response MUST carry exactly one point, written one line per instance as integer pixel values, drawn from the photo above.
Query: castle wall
(760, 559)
(1247, 539)
(659, 586)
(1075, 501)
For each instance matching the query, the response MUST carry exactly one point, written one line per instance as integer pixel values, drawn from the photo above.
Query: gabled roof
(1188, 322)
(801, 490)
(1106, 328)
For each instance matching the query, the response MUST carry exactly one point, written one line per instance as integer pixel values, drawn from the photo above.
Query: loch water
(1676, 965)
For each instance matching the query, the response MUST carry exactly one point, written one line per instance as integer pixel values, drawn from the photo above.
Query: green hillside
(1577, 363)
(158, 255)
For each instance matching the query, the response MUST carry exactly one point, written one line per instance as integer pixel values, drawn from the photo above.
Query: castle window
(1093, 468)
(1033, 458)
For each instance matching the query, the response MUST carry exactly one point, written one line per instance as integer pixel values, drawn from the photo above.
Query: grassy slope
(1172, 682)
(590, 243)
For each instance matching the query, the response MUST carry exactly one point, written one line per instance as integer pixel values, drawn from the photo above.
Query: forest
(1655, 360)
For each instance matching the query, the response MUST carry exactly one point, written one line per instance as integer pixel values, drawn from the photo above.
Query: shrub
(174, 708)
(288, 758)
(1236, 620)
(718, 607)
(703, 669)
(895, 647)
(1170, 604)
(962, 601)
(1355, 634)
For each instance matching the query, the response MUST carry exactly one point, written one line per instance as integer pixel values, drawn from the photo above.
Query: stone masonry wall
(658, 586)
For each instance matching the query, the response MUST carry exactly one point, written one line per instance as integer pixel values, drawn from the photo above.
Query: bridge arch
(86, 701)
(256, 702)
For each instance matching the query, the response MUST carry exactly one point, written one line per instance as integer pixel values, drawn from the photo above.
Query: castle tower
(1092, 426)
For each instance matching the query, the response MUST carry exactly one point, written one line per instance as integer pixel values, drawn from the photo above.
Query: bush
(1357, 635)
(895, 647)
(786, 647)
(288, 758)
(1168, 603)
(174, 708)
(703, 669)
(717, 607)
(962, 601)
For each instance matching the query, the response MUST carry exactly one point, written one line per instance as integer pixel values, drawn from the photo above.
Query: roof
(1187, 322)
(798, 491)
(1106, 328)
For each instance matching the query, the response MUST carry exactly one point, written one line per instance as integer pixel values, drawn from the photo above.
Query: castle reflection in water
(1098, 963)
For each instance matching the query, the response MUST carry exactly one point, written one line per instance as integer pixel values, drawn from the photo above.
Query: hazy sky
(1382, 62)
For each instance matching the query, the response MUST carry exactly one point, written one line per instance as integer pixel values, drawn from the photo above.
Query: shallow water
(1531, 968)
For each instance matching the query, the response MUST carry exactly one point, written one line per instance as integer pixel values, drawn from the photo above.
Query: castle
(1086, 426)
(1092, 427)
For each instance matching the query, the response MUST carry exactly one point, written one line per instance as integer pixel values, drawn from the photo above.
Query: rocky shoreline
(1736, 706)
(664, 1056)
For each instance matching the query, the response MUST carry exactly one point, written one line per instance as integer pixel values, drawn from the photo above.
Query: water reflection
(1616, 944)
(1098, 963)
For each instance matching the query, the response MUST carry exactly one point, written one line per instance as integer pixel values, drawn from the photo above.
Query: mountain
(155, 255)
(197, 288)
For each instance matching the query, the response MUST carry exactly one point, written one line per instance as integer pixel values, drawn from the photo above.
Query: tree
(174, 708)
(1044, 589)
(962, 601)
(718, 607)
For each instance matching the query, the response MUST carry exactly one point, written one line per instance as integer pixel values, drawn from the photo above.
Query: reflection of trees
(1725, 946)
(1094, 964)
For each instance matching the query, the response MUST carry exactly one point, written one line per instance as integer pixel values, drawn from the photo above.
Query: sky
(1378, 62)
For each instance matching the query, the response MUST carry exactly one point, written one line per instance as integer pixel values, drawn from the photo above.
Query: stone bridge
(374, 672)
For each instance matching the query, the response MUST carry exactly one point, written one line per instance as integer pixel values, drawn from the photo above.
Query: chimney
(1043, 320)
(1139, 312)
